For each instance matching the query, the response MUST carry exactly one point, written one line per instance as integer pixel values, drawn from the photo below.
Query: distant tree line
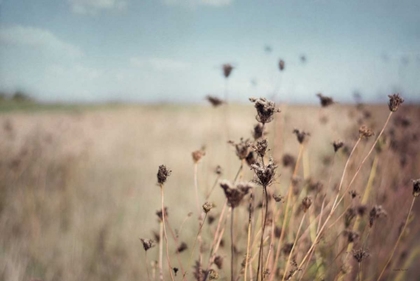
(17, 96)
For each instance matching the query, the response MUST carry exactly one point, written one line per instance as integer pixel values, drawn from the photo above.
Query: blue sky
(172, 50)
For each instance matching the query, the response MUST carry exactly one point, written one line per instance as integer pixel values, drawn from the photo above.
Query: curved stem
(289, 198)
(293, 247)
(398, 240)
(335, 205)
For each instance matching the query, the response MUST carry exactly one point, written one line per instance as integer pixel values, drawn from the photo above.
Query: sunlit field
(79, 193)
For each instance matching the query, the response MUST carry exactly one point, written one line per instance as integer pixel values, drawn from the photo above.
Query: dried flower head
(394, 102)
(147, 243)
(234, 195)
(218, 261)
(258, 131)
(376, 212)
(289, 160)
(242, 148)
(353, 193)
(211, 219)
(197, 155)
(301, 135)
(182, 247)
(314, 186)
(159, 213)
(265, 109)
(287, 248)
(365, 132)
(325, 101)
(261, 147)
(163, 174)
(349, 216)
(359, 255)
(264, 174)
(227, 69)
(207, 207)
(337, 145)
(175, 269)
(215, 101)
(218, 170)
(213, 274)
(251, 158)
(361, 210)
(281, 65)
(416, 188)
(198, 272)
(351, 235)
(306, 203)
(278, 198)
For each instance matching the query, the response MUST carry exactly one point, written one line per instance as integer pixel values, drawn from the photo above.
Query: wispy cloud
(33, 37)
(194, 3)
(94, 6)
(159, 64)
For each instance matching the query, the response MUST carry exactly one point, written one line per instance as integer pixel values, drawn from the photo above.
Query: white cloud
(44, 40)
(194, 3)
(94, 6)
(216, 3)
(160, 64)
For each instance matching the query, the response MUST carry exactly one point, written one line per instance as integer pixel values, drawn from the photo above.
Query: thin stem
(232, 246)
(249, 235)
(147, 266)
(196, 186)
(177, 254)
(293, 247)
(264, 221)
(335, 205)
(239, 172)
(398, 240)
(165, 236)
(212, 188)
(197, 237)
(289, 198)
(161, 251)
(344, 171)
(360, 271)
(363, 161)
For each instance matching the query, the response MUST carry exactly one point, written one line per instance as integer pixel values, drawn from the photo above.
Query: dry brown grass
(78, 190)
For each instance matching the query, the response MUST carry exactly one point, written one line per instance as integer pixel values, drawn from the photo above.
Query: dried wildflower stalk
(234, 196)
(147, 244)
(162, 175)
(264, 174)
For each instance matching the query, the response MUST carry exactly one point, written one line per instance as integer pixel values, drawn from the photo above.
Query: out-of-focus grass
(78, 187)
(28, 106)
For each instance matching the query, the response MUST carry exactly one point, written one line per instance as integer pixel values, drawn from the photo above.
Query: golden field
(78, 187)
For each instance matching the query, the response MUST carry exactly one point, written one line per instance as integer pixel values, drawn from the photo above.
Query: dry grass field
(78, 189)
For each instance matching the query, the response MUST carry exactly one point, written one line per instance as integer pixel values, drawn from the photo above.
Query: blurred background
(96, 94)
